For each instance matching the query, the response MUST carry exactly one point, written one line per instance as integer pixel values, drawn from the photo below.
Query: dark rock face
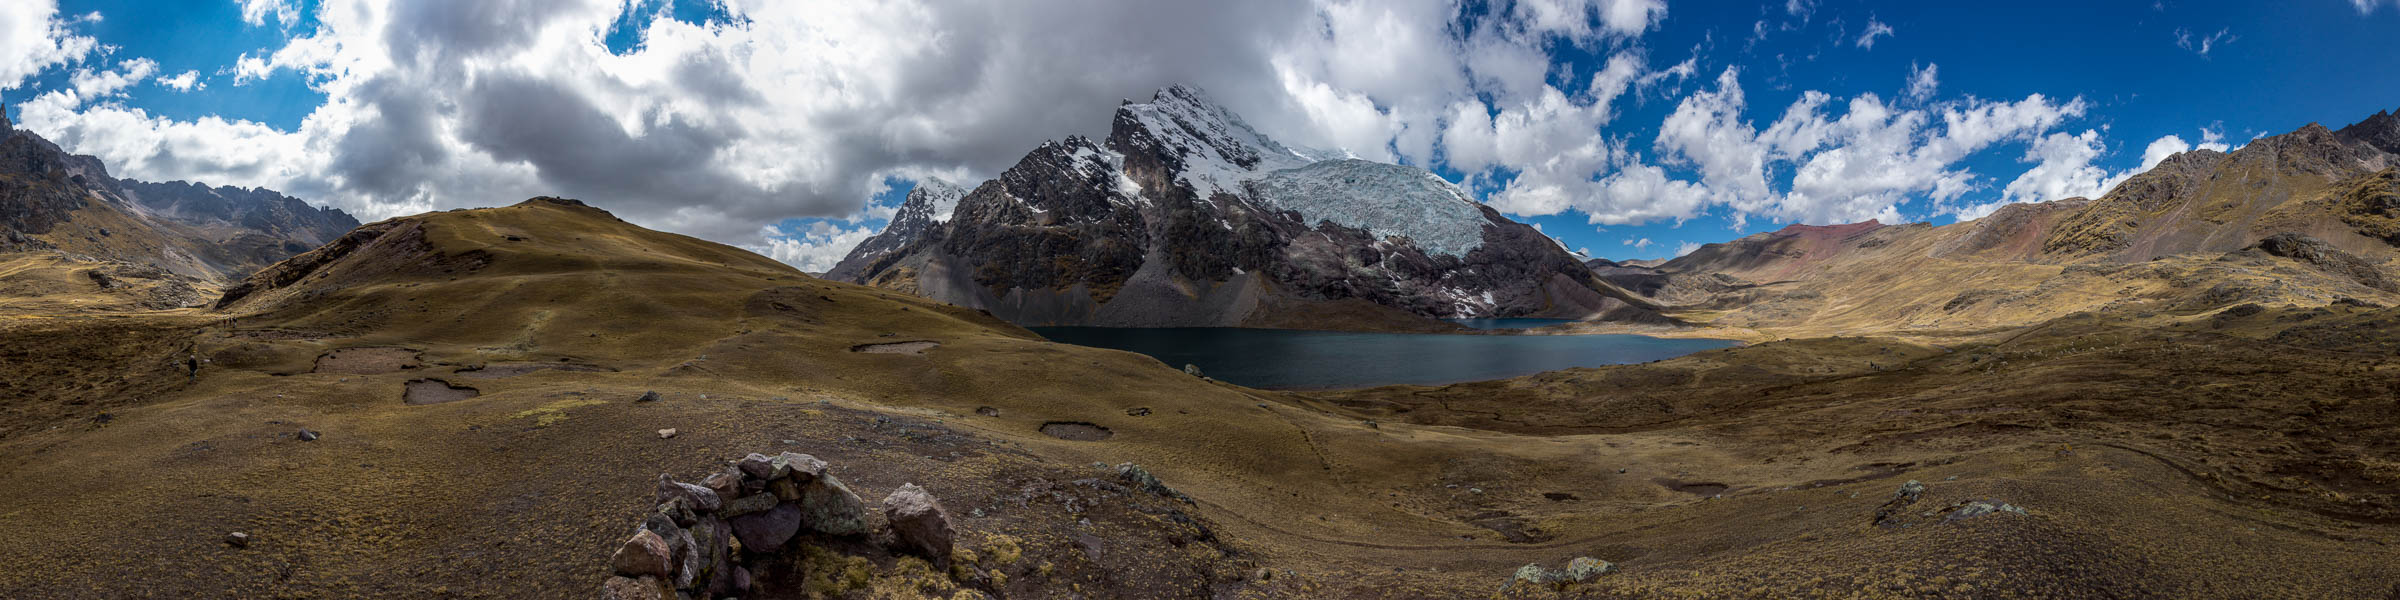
(2380, 131)
(766, 531)
(1185, 215)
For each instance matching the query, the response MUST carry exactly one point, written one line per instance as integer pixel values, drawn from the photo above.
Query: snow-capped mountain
(1187, 216)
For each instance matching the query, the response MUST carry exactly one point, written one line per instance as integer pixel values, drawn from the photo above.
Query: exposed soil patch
(915, 347)
(1081, 432)
(515, 369)
(1703, 489)
(366, 361)
(436, 391)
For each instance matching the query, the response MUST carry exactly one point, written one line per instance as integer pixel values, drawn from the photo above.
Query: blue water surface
(1294, 359)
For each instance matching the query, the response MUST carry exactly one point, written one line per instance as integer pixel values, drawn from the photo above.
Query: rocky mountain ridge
(1187, 216)
(55, 201)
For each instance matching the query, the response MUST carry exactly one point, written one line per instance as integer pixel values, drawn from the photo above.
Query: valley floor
(2132, 452)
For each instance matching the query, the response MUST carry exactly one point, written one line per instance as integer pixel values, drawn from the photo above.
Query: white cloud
(91, 85)
(33, 38)
(256, 12)
(183, 82)
(1923, 82)
(815, 248)
(2163, 148)
(2367, 7)
(2202, 45)
(1686, 248)
(1639, 244)
(1875, 29)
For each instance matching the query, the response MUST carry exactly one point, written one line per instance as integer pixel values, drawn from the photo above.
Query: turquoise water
(1509, 323)
(1293, 359)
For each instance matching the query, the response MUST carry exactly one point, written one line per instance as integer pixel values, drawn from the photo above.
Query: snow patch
(1384, 199)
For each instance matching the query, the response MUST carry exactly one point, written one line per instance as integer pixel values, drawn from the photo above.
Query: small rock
(1143, 411)
(237, 539)
(308, 436)
(758, 466)
(1584, 569)
(645, 555)
(666, 433)
(1191, 369)
(650, 396)
(919, 525)
(987, 411)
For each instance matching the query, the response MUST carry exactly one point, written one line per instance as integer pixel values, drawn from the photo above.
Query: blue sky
(792, 127)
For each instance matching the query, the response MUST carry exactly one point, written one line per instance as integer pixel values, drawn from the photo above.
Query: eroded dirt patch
(435, 391)
(915, 347)
(366, 361)
(514, 369)
(1076, 431)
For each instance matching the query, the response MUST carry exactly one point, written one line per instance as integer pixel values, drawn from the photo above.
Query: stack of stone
(697, 541)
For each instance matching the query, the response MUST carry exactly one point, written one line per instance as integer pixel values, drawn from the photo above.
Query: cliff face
(1186, 216)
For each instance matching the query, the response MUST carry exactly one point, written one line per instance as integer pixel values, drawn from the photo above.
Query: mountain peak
(1212, 147)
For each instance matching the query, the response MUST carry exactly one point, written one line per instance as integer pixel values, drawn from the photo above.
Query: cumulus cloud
(815, 248)
(1923, 82)
(787, 109)
(2367, 7)
(33, 38)
(183, 82)
(101, 84)
(1639, 244)
(1686, 248)
(256, 12)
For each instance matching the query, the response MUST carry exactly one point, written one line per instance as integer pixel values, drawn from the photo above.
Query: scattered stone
(987, 411)
(308, 436)
(1584, 569)
(650, 396)
(919, 525)
(1141, 479)
(645, 555)
(237, 539)
(1908, 494)
(768, 530)
(1191, 369)
(1142, 411)
(1984, 507)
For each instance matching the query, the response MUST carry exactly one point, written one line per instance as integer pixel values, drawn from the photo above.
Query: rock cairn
(700, 539)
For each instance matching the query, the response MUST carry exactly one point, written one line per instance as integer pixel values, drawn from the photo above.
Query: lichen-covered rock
(699, 499)
(645, 555)
(1584, 569)
(1533, 575)
(768, 530)
(628, 588)
(919, 525)
(829, 507)
(748, 504)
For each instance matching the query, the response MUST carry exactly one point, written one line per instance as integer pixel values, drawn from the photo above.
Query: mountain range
(149, 242)
(1187, 216)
